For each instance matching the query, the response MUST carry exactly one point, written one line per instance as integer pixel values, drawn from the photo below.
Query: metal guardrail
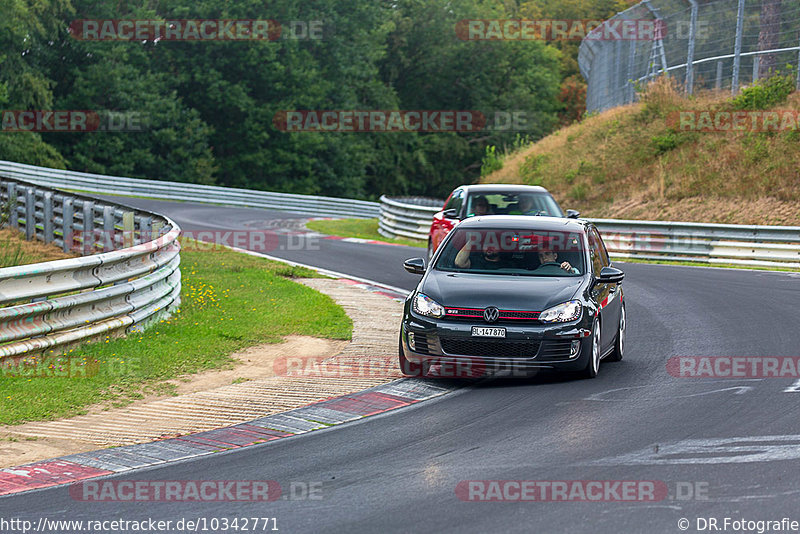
(407, 217)
(128, 277)
(734, 244)
(115, 185)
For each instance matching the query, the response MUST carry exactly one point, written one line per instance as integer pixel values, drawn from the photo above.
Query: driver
(550, 257)
(525, 206)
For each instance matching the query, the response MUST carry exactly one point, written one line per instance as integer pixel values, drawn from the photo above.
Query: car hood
(467, 290)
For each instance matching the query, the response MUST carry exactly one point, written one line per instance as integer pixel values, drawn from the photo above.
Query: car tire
(408, 367)
(619, 343)
(593, 365)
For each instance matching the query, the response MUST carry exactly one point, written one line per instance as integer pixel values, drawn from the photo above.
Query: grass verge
(230, 301)
(361, 228)
(703, 264)
(16, 250)
(636, 162)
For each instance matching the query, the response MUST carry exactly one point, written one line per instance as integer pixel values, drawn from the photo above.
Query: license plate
(484, 331)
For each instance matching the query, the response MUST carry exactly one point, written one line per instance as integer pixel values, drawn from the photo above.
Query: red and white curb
(331, 412)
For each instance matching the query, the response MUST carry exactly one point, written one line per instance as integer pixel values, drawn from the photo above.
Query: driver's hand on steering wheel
(566, 266)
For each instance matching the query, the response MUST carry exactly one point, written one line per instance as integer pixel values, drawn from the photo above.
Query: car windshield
(520, 252)
(488, 203)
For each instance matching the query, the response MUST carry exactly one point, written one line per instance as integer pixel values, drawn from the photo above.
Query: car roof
(504, 188)
(525, 222)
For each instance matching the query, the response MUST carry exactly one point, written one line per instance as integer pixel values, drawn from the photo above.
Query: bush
(491, 161)
(765, 92)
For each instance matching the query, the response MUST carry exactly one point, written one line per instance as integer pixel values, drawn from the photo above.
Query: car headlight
(562, 313)
(424, 305)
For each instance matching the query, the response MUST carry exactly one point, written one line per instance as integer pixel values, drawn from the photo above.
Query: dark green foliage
(208, 107)
(765, 93)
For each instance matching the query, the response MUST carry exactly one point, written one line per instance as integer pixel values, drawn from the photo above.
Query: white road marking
(794, 388)
(713, 451)
(601, 396)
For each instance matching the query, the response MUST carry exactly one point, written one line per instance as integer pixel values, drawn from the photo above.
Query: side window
(595, 252)
(455, 201)
(601, 248)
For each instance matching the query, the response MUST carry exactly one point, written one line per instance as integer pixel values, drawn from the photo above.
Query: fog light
(411, 341)
(576, 346)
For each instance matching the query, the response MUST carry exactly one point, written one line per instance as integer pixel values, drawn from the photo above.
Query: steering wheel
(551, 268)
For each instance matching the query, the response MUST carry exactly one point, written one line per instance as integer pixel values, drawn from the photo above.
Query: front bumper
(527, 346)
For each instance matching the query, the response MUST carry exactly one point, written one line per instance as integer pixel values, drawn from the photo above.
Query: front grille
(490, 349)
(556, 349)
(473, 314)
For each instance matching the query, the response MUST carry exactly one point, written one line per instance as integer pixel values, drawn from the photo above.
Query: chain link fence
(716, 44)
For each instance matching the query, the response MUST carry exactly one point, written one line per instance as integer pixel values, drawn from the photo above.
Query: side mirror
(415, 266)
(450, 214)
(610, 275)
(573, 214)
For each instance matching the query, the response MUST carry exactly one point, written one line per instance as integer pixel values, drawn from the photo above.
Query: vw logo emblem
(491, 314)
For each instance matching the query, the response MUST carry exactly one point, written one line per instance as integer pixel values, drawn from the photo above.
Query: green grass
(361, 228)
(229, 301)
(703, 264)
(11, 254)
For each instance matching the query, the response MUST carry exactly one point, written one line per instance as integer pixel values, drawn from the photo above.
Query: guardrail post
(48, 217)
(67, 224)
(13, 218)
(108, 229)
(145, 229)
(30, 213)
(737, 48)
(128, 227)
(88, 227)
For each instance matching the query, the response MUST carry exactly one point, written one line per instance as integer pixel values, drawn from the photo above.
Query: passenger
(480, 206)
(488, 259)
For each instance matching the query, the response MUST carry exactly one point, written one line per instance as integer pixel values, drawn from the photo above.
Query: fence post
(690, 53)
(737, 48)
(756, 61)
(718, 82)
(48, 217)
(629, 76)
(67, 224)
(797, 82)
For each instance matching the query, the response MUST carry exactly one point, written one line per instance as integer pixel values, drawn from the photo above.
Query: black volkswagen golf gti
(515, 293)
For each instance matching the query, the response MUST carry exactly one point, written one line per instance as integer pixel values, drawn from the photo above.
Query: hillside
(629, 163)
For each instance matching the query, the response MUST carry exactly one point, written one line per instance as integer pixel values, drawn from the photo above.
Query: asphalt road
(734, 444)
